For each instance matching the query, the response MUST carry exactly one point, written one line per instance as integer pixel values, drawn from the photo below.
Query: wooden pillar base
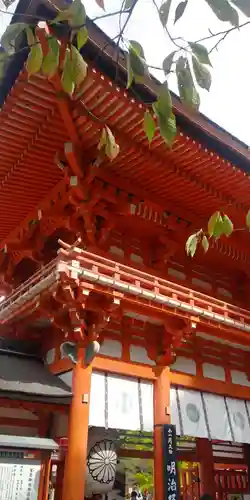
(205, 458)
(161, 417)
(75, 465)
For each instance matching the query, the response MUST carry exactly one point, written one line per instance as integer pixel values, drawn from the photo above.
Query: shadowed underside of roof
(29, 378)
(188, 180)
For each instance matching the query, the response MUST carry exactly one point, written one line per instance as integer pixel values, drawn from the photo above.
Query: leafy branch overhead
(67, 34)
(219, 225)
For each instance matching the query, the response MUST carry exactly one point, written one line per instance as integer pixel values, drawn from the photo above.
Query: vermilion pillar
(161, 417)
(75, 466)
(205, 458)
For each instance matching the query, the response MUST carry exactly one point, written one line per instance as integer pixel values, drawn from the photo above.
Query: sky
(228, 101)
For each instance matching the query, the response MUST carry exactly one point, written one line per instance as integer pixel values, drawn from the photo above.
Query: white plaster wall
(240, 378)
(138, 354)
(111, 348)
(184, 365)
(214, 372)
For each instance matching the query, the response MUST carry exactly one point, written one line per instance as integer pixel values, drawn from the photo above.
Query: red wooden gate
(189, 484)
(230, 482)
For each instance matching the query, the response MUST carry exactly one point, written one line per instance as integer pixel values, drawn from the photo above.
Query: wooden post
(206, 461)
(75, 465)
(161, 417)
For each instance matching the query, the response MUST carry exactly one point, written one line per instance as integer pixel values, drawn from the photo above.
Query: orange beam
(209, 385)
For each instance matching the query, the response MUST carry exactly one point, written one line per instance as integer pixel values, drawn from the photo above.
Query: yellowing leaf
(51, 61)
(227, 225)
(82, 37)
(112, 149)
(31, 39)
(205, 243)
(149, 126)
(67, 79)
(35, 59)
(108, 144)
(79, 67)
(200, 52)
(191, 244)
(248, 219)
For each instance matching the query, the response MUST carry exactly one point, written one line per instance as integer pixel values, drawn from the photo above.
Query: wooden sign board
(170, 463)
(19, 479)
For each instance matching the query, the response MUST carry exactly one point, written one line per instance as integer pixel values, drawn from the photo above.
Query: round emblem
(239, 420)
(101, 462)
(192, 413)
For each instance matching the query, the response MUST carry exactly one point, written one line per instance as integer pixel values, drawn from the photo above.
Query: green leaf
(82, 37)
(149, 126)
(180, 9)
(129, 4)
(75, 14)
(35, 59)
(10, 35)
(212, 223)
(215, 225)
(130, 74)
(137, 48)
(167, 63)
(205, 243)
(51, 61)
(248, 219)
(200, 52)
(164, 101)
(79, 67)
(202, 74)
(227, 225)
(67, 78)
(243, 5)
(167, 126)
(136, 64)
(187, 90)
(164, 12)
(224, 11)
(191, 244)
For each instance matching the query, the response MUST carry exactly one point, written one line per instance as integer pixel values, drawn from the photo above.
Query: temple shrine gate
(109, 333)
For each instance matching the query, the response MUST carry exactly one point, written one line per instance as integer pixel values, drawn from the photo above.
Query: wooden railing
(107, 275)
